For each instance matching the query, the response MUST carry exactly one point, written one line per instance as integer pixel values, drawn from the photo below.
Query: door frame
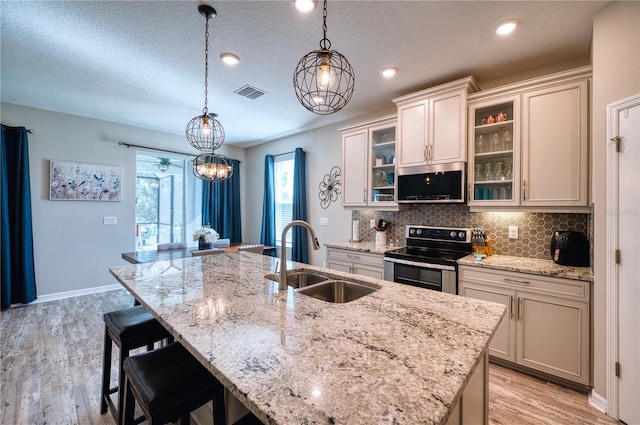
(612, 244)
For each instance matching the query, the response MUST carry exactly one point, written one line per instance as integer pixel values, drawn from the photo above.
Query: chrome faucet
(283, 250)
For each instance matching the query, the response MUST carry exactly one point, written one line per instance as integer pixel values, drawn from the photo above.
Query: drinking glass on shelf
(506, 140)
(508, 171)
(478, 172)
(480, 144)
(499, 170)
(488, 172)
(496, 142)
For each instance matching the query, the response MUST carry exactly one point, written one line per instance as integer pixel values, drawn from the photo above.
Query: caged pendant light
(204, 132)
(324, 80)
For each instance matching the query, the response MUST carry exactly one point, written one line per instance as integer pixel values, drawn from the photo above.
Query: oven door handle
(420, 264)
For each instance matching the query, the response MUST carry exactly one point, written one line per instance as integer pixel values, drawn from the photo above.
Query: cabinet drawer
(355, 256)
(565, 288)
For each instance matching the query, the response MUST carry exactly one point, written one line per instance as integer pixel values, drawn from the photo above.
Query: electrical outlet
(372, 223)
(109, 220)
(324, 221)
(513, 232)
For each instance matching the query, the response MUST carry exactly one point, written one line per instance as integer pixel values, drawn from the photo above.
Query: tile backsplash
(534, 229)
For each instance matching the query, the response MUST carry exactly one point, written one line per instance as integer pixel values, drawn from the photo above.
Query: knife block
(486, 250)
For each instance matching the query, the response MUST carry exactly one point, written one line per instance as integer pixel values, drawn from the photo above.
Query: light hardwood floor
(51, 359)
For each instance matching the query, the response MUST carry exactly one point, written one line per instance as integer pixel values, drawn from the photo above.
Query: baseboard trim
(598, 402)
(76, 293)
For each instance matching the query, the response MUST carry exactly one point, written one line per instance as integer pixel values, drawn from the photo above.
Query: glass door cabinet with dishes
(369, 164)
(494, 166)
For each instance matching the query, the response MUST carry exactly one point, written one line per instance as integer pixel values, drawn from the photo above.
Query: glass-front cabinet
(369, 164)
(383, 152)
(494, 140)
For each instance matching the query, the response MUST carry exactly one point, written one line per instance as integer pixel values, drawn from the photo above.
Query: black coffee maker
(570, 248)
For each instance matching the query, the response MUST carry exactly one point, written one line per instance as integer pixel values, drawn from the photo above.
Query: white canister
(381, 238)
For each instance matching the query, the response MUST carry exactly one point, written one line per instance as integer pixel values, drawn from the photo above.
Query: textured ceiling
(142, 62)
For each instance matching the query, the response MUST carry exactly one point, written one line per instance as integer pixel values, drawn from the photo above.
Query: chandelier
(212, 167)
(324, 79)
(204, 132)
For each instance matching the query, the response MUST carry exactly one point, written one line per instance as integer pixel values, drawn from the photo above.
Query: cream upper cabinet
(554, 145)
(368, 164)
(354, 168)
(432, 124)
(528, 144)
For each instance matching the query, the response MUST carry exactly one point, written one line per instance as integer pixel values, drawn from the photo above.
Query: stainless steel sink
(337, 291)
(300, 278)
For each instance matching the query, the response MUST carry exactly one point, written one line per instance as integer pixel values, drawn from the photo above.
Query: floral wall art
(83, 181)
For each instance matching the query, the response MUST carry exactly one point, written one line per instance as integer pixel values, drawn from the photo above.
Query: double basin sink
(324, 286)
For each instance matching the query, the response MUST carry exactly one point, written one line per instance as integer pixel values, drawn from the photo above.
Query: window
(163, 211)
(283, 175)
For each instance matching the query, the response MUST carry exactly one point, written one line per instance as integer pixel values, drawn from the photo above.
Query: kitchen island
(399, 355)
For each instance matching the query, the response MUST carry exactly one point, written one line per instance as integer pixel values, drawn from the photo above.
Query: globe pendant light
(324, 79)
(212, 167)
(204, 132)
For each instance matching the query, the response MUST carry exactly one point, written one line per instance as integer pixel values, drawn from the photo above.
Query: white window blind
(283, 173)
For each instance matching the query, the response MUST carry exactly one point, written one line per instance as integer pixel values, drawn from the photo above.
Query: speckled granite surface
(529, 265)
(363, 246)
(400, 355)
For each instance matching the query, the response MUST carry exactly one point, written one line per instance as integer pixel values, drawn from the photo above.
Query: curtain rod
(131, 145)
(286, 153)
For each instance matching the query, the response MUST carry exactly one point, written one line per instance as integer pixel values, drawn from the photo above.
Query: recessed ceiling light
(507, 27)
(304, 5)
(389, 71)
(229, 58)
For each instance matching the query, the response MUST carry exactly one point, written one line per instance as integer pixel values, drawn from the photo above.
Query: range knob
(412, 231)
(462, 235)
(452, 234)
(419, 231)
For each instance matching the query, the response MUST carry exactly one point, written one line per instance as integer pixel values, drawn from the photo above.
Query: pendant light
(204, 132)
(324, 79)
(212, 167)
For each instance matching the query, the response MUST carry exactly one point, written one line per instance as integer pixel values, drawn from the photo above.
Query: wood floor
(51, 359)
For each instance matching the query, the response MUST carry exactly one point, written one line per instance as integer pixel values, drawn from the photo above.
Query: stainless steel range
(429, 259)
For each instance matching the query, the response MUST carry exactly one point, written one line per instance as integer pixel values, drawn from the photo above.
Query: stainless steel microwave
(439, 183)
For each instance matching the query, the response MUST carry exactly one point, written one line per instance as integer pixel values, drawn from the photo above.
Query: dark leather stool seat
(129, 328)
(169, 383)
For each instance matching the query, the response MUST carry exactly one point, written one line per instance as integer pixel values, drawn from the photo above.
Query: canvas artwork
(84, 182)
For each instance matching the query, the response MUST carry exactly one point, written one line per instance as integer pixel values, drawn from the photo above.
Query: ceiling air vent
(250, 92)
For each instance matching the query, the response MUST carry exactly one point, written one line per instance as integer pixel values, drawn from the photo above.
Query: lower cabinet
(356, 262)
(547, 323)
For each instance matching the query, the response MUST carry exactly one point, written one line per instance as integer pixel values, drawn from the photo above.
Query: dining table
(149, 256)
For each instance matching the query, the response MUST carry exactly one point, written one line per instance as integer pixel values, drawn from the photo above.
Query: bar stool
(169, 383)
(129, 328)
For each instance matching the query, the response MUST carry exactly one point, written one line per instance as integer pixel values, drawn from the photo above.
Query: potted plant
(205, 236)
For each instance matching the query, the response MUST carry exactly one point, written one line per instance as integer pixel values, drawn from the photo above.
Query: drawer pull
(519, 282)
(355, 257)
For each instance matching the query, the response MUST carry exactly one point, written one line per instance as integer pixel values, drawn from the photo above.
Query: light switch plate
(109, 220)
(513, 232)
(324, 221)
(372, 223)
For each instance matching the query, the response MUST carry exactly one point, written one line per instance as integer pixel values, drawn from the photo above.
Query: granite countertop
(400, 355)
(363, 246)
(529, 265)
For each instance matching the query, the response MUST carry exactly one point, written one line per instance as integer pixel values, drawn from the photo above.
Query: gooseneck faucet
(283, 250)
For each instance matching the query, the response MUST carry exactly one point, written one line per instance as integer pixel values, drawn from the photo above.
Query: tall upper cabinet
(369, 164)
(528, 144)
(432, 124)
